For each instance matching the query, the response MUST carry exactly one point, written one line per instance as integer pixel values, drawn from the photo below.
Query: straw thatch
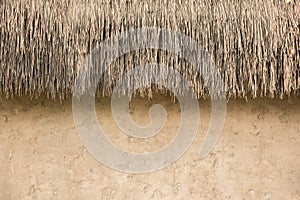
(254, 43)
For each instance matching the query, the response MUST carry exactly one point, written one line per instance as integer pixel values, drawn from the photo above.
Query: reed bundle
(254, 43)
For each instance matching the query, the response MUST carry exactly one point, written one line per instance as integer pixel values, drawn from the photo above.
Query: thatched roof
(254, 43)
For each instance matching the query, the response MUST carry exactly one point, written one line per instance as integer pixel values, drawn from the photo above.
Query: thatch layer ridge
(254, 43)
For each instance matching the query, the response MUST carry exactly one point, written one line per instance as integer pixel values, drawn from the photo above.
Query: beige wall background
(257, 157)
